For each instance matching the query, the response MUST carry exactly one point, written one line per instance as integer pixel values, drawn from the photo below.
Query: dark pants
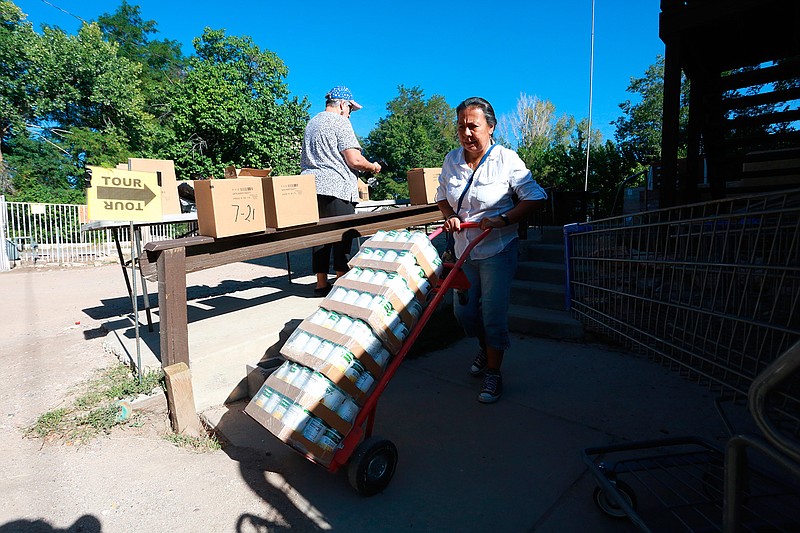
(330, 206)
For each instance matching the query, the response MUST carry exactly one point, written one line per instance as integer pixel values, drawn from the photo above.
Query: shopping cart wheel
(372, 466)
(608, 505)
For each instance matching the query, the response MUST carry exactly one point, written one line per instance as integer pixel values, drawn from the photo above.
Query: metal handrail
(785, 366)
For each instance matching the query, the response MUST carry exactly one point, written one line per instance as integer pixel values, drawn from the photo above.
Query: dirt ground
(133, 479)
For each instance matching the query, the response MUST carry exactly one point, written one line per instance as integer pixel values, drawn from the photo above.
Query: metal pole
(589, 128)
(135, 306)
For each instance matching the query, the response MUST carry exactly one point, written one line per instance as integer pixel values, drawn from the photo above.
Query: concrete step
(537, 251)
(537, 294)
(539, 322)
(541, 271)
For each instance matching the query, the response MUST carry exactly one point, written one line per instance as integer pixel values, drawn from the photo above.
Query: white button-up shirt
(490, 194)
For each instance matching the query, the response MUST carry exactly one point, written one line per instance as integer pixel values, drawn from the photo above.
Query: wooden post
(173, 317)
(180, 400)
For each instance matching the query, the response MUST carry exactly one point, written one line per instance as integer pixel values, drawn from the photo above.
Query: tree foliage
(638, 130)
(416, 133)
(114, 90)
(233, 108)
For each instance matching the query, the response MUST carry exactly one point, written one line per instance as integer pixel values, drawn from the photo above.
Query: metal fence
(712, 290)
(35, 233)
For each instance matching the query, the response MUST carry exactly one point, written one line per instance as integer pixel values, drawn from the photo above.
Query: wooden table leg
(173, 317)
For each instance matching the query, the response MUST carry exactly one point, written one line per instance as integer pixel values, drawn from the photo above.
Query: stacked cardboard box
(336, 355)
(422, 185)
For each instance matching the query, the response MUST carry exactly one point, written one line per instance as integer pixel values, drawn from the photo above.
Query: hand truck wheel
(608, 505)
(372, 466)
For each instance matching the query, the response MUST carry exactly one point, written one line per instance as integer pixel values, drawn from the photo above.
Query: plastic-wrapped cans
(333, 318)
(365, 381)
(348, 410)
(319, 316)
(314, 429)
(400, 331)
(364, 300)
(353, 273)
(324, 350)
(281, 407)
(338, 294)
(351, 296)
(354, 370)
(312, 345)
(330, 439)
(263, 396)
(343, 324)
(298, 339)
(272, 402)
(381, 357)
(366, 275)
(295, 418)
(332, 397)
(379, 278)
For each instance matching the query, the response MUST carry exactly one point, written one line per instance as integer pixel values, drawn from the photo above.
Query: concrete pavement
(463, 466)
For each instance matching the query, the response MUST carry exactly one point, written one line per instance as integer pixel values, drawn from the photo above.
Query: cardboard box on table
(232, 172)
(170, 205)
(290, 200)
(422, 185)
(229, 207)
(255, 408)
(363, 190)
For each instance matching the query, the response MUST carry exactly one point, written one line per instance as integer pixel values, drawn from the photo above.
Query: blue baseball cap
(340, 92)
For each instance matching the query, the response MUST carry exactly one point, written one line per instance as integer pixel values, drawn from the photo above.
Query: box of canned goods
(414, 278)
(384, 321)
(317, 349)
(320, 397)
(407, 248)
(396, 295)
(294, 416)
(359, 340)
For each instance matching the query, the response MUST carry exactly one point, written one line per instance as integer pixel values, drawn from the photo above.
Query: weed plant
(98, 408)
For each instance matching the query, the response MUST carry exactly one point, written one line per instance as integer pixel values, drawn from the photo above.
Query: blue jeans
(485, 314)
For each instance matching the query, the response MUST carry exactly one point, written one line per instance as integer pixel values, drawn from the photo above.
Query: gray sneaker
(479, 364)
(492, 388)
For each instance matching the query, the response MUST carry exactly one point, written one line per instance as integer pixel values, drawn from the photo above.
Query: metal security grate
(712, 290)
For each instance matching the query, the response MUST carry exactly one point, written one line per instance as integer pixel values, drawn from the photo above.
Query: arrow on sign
(122, 193)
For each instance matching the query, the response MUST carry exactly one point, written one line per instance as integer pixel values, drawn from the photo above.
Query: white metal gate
(51, 234)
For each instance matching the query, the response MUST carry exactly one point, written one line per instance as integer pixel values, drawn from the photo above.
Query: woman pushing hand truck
(478, 184)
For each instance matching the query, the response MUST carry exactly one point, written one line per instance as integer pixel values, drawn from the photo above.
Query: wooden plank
(157, 246)
(208, 254)
(180, 400)
(173, 316)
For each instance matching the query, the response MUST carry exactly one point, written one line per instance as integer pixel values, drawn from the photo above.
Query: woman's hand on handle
(453, 223)
(492, 222)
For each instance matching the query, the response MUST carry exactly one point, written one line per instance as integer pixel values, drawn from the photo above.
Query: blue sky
(498, 50)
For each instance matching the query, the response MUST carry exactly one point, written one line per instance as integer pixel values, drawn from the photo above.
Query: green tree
(161, 61)
(638, 130)
(416, 133)
(234, 108)
(539, 136)
(16, 38)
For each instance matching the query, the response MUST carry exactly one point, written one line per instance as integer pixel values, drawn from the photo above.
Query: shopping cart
(690, 484)
(372, 460)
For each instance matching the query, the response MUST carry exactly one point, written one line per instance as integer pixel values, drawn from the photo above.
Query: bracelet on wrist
(451, 216)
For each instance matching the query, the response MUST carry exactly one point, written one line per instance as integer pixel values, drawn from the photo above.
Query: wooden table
(169, 261)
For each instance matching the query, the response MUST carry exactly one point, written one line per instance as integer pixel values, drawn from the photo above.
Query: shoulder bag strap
(464, 193)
